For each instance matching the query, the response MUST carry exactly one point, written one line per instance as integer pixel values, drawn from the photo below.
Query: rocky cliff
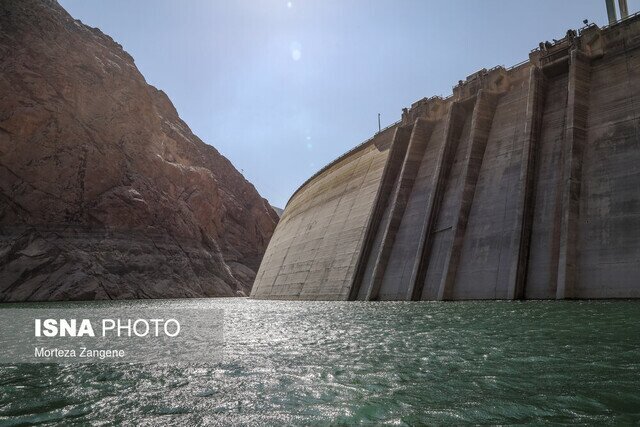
(104, 191)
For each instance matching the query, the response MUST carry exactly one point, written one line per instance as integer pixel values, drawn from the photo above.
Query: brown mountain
(104, 191)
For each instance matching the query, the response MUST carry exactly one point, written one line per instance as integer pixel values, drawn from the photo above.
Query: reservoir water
(396, 363)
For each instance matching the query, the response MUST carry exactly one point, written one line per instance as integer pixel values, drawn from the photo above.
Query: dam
(524, 183)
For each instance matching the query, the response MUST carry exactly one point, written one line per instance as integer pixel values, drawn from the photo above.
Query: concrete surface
(523, 184)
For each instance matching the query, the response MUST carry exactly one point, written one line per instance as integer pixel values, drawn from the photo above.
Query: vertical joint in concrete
(481, 120)
(575, 140)
(418, 141)
(524, 209)
(389, 175)
(443, 166)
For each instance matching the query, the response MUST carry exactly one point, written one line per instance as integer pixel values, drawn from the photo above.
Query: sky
(283, 87)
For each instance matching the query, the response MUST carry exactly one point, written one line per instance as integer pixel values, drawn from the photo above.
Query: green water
(379, 363)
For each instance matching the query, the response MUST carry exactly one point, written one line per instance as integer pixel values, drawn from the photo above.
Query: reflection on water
(340, 363)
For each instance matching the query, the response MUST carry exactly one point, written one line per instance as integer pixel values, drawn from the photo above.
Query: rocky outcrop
(104, 191)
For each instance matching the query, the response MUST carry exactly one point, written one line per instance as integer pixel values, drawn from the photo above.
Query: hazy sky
(283, 87)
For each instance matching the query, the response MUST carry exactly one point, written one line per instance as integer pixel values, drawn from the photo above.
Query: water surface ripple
(340, 363)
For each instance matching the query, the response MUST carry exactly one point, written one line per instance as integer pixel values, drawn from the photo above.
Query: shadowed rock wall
(522, 184)
(105, 192)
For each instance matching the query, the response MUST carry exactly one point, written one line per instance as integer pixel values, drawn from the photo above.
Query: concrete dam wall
(523, 184)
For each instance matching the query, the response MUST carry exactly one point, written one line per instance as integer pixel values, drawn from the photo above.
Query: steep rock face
(104, 191)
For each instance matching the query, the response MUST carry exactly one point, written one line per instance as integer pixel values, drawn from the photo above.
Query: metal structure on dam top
(522, 184)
